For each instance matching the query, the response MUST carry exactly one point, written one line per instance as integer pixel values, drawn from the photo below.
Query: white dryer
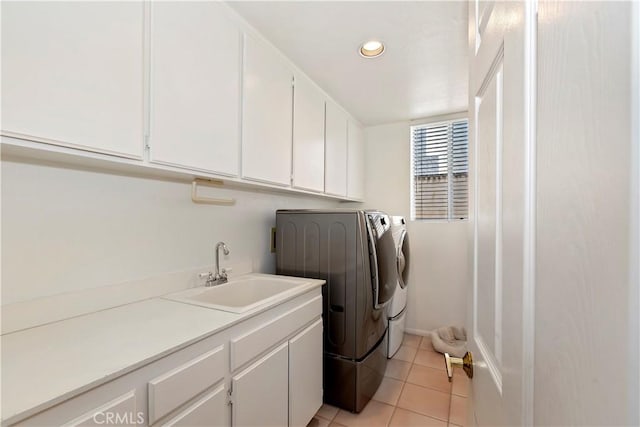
(397, 308)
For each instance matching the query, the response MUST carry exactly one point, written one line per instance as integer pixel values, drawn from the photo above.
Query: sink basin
(245, 293)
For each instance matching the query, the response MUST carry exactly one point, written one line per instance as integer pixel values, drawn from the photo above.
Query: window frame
(435, 121)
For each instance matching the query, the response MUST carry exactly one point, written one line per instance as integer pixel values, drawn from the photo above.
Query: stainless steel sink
(244, 293)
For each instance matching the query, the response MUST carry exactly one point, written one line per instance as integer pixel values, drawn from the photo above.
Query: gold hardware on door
(466, 362)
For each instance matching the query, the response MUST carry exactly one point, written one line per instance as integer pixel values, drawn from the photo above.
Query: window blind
(440, 170)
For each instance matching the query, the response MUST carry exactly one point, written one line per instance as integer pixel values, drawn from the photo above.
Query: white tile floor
(414, 392)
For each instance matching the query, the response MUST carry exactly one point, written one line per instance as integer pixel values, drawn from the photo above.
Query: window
(440, 170)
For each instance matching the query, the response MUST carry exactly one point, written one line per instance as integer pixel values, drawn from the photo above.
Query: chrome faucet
(220, 277)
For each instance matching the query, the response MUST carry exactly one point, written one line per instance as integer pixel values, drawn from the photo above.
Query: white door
(499, 128)
(308, 135)
(260, 392)
(195, 86)
(305, 375)
(355, 161)
(335, 176)
(72, 74)
(267, 114)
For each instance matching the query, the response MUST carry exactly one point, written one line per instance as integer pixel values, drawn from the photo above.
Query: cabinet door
(72, 74)
(260, 392)
(211, 410)
(335, 179)
(195, 87)
(355, 163)
(305, 375)
(308, 135)
(267, 115)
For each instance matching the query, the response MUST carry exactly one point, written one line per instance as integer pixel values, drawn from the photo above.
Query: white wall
(66, 230)
(438, 271)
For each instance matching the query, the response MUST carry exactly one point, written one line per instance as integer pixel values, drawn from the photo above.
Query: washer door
(403, 259)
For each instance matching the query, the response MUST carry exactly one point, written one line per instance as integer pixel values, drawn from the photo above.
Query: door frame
(634, 227)
(529, 262)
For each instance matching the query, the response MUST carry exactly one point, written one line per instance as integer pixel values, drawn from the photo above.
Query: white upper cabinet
(195, 86)
(267, 115)
(335, 175)
(212, 97)
(72, 74)
(308, 135)
(355, 163)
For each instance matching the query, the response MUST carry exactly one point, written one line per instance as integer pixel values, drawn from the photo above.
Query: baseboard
(420, 332)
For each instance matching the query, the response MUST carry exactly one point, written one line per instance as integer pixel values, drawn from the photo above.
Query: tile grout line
(429, 388)
(395, 406)
(432, 388)
(334, 416)
(450, 399)
(424, 366)
(404, 382)
(426, 416)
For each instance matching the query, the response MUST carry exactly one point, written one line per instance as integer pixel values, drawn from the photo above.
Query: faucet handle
(227, 270)
(209, 276)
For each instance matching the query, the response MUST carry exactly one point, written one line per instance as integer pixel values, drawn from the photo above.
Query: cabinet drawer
(103, 405)
(121, 411)
(248, 346)
(211, 410)
(177, 386)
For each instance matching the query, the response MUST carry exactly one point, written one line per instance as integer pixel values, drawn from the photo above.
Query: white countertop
(48, 364)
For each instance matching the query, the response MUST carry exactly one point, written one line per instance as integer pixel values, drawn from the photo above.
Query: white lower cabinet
(305, 374)
(263, 371)
(260, 392)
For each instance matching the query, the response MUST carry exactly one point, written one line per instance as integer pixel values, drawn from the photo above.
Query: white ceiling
(422, 73)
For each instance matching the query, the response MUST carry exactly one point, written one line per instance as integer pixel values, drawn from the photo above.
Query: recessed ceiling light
(371, 49)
